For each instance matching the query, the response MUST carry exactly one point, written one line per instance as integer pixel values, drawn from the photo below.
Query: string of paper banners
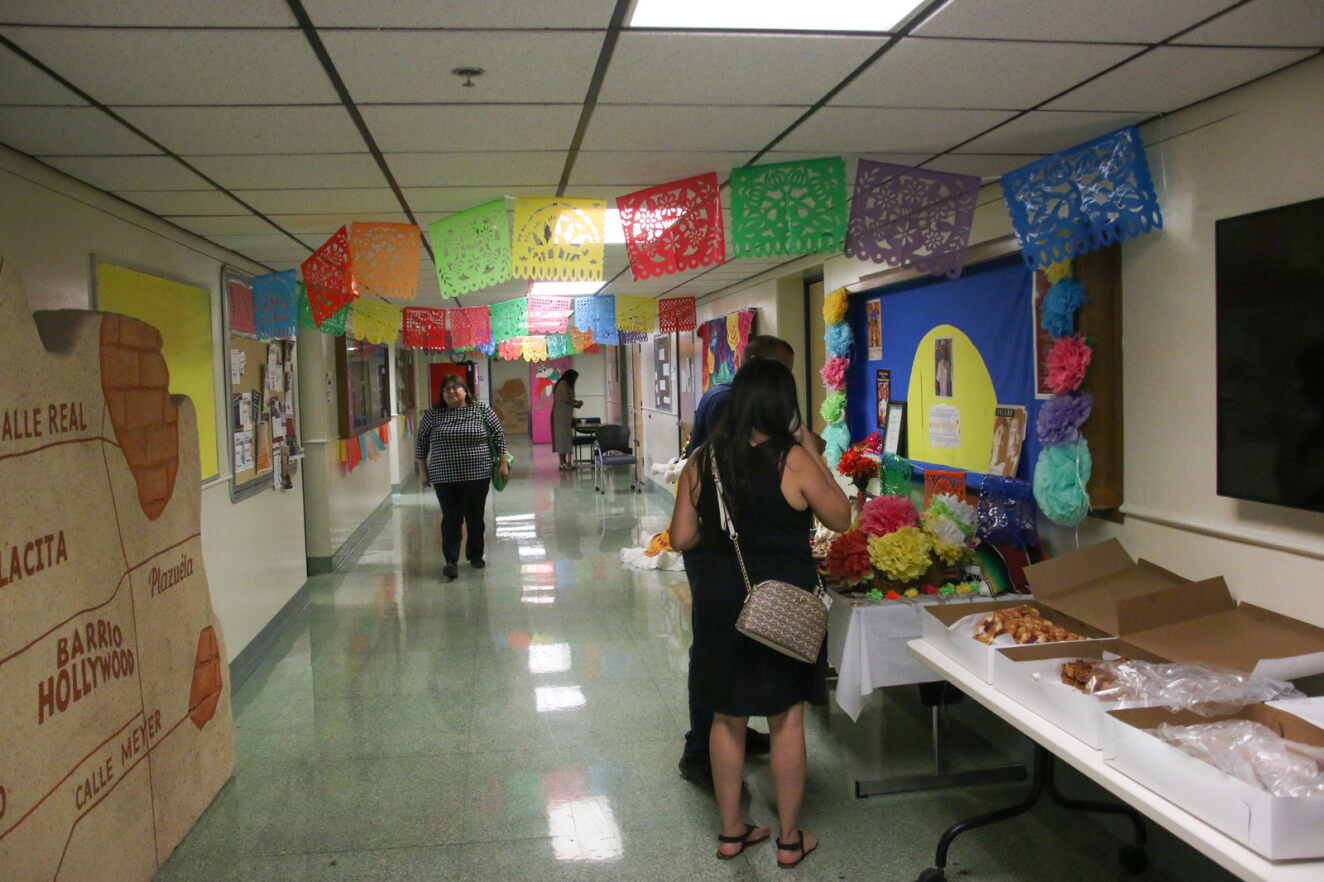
(1062, 205)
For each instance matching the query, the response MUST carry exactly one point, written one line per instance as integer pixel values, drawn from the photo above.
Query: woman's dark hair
(569, 378)
(453, 380)
(762, 399)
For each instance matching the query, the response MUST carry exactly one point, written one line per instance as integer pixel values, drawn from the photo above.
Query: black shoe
(697, 768)
(757, 743)
(478, 564)
(450, 571)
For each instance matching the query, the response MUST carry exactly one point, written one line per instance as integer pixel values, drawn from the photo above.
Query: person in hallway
(564, 403)
(694, 763)
(775, 482)
(454, 456)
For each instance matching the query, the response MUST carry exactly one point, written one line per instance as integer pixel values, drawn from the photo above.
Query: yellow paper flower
(912, 592)
(949, 553)
(1056, 272)
(902, 554)
(834, 306)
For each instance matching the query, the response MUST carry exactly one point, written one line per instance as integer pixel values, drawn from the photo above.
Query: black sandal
(794, 846)
(743, 840)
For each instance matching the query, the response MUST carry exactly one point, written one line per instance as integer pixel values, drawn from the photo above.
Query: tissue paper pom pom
(873, 594)
(833, 373)
(837, 438)
(838, 339)
(957, 509)
(833, 408)
(943, 528)
(902, 555)
(912, 592)
(848, 558)
(1060, 305)
(1060, 477)
(857, 466)
(947, 590)
(885, 514)
(1061, 416)
(1067, 361)
(1056, 272)
(834, 307)
(893, 595)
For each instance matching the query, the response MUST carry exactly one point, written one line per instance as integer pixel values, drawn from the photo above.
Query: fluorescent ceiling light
(821, 15)
(565, 289)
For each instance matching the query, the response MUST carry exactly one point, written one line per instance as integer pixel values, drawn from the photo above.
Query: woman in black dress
(775, 482)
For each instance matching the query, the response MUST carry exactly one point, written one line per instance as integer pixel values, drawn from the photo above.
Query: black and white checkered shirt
(453, 440)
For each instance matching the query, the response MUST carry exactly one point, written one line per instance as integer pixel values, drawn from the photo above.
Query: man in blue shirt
(695, 764)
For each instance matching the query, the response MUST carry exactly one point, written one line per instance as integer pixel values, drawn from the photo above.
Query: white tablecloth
(867, 646)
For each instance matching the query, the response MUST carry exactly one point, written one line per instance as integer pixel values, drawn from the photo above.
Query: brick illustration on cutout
(136, 384)
(206, 689)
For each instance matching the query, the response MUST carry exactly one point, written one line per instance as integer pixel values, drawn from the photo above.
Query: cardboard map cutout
(114, 689)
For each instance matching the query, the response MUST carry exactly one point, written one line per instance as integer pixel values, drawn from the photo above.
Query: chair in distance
(584, 440)
(612, 447)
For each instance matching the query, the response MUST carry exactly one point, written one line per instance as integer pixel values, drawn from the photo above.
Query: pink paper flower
(1067, 361)
(833, 373)
(887, 513)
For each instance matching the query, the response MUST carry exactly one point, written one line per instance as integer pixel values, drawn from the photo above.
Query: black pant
(462, 504)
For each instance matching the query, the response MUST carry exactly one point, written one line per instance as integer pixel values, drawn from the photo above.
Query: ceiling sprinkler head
(468, 73)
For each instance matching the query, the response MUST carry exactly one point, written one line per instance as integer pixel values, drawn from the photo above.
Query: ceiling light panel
(1085, 21)
(822, 15)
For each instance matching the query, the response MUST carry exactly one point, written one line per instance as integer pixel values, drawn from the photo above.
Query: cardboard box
(977, 656)
(1277, 827)
(1245, 638)
(1032, 675)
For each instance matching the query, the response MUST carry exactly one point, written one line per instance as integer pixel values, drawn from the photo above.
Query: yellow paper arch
(972, 397)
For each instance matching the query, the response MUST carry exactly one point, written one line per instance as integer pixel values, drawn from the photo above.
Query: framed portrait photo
(893, 437)
(883, 393)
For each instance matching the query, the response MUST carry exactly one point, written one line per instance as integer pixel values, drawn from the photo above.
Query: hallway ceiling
(264, 125)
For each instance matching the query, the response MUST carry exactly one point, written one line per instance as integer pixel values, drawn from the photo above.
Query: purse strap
(729, 524)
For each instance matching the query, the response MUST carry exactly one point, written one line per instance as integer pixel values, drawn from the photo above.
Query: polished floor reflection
(524, 722)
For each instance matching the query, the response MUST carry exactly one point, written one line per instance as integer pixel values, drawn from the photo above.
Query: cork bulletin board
(260, 382)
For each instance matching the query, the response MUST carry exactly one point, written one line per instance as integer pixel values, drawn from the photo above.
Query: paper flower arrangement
(903, 554)
(894, 542)
(848, 558)
(886, 514)
(858, 467)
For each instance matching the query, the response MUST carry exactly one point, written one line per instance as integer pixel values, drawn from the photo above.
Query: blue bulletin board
(988, 313)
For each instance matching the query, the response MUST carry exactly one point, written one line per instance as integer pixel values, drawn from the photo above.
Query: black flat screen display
(1270, 317)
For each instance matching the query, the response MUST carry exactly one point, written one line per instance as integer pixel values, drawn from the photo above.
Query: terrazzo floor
(523, 722)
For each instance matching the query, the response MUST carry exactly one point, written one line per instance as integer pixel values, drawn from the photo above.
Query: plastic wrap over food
(1205, 689)
(1253, 753)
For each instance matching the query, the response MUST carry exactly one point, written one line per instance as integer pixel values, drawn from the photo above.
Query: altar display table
(1227, 852)
(867, 647)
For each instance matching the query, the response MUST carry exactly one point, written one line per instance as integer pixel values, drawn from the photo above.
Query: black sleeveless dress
(730, 673)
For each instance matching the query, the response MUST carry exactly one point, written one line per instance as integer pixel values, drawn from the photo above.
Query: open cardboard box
(936, 623)
(1096, 592)
(1277, 827)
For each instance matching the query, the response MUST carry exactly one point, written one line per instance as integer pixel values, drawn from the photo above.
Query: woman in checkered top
(453, 456)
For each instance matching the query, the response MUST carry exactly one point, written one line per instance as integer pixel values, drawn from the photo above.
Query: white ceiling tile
(264, 243)
(527, 168)
(164, 66)
(166, 202)
(293, 171)
(706, 127)
(350, 201)
(904, 130)
(222, 225)
(1043, 132)
(248, 130)
(985, 166)
(322, 226)
(650, 67)
(399, 67)
(429, 200)
(452, 127)
(1117, 21)
(151, 13)
(531, 14)
(22, 83)
(1265, 23)
(976, 73)
(129, 172)
(1171, 77)
(641, 169)
(68, 131)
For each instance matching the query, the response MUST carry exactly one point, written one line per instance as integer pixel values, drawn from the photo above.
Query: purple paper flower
(1061, 416)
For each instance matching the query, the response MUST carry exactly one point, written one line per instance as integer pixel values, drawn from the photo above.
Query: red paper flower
(893, 595)
(1067, 361)
(848, 558)
(929, 589)
(857, 466)
(887, 513)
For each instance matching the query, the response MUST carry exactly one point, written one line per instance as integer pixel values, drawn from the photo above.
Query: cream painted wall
(50, 226)
(1255, 147)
